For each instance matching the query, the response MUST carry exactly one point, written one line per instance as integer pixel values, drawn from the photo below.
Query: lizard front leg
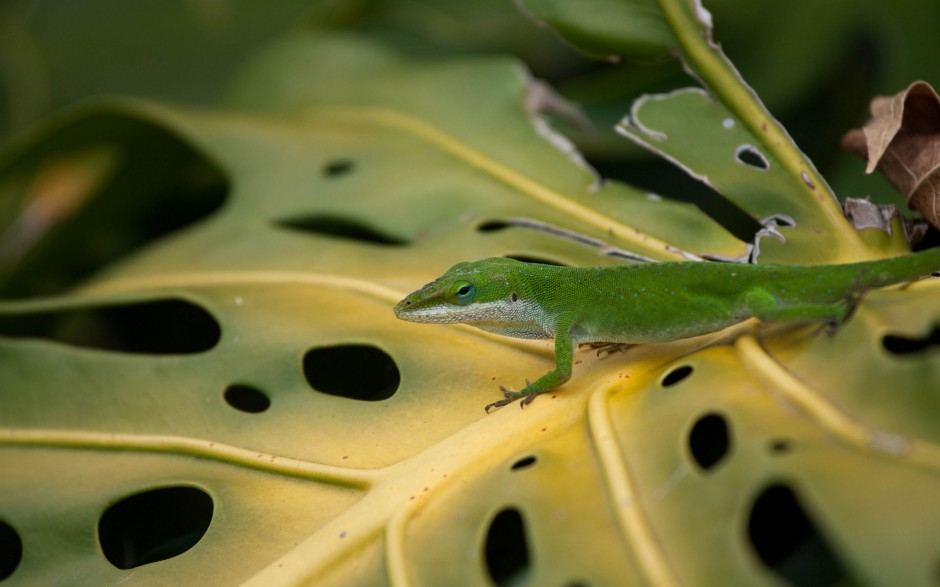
(549, 381)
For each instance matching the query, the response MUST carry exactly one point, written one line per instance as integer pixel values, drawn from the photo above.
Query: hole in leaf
(901, 345)
(337, 167)
(930, 240)
(154, 525)
(336, 227)
(157, 185)
(676, 375)
(779, 220)
(537, 260)
(661, 177)
(709, 440)
(158, 327)
(506, 549)
(354, 371)
(493, 226)
(750, 156)
(780, 446)
(524, 462)
(246, 399)
(788, 543)
(11, 550)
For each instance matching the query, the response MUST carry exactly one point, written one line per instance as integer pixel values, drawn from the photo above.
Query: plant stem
(705, 60)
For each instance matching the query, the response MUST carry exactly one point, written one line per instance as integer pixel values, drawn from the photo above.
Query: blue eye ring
(464, 292)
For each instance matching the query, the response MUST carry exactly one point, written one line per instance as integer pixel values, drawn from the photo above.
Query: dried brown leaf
(864, 214)
(902, 140)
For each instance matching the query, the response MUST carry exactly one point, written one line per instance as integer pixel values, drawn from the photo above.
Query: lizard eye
(464, 292)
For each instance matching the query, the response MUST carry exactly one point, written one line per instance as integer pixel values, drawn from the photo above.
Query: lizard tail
(884, 272)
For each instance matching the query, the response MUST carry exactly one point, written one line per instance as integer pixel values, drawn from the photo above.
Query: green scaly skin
(643, 303)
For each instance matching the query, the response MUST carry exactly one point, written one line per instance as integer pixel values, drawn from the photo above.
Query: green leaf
(204, 311)
(298, 225)
(686, 126)
(605, 29)
(710, 143)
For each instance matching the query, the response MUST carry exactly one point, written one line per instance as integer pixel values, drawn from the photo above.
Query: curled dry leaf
(902, 139)
(866, 214)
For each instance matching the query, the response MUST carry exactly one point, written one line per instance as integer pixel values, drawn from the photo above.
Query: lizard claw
(510, 396)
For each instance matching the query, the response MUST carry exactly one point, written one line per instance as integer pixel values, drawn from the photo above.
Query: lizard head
(469, 292)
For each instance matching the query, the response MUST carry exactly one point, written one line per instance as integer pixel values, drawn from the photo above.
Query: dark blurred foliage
(816, 65)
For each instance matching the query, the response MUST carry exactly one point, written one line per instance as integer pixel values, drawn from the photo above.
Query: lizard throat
(520, 319)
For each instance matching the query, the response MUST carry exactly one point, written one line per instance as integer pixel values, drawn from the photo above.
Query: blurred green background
(815, 64)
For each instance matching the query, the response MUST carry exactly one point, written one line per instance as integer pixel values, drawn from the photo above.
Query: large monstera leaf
(203, 380)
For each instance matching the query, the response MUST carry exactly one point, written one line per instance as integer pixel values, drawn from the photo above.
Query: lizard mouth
(402, 309)
(407, 310)
(410, 310)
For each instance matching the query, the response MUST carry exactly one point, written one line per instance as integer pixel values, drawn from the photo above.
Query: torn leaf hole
(663, 178)
(342, 228)
(246, 398)
(778, 220)
(161, 327)
(901, 345)
(750, 156)
(788, 543)
(506, 549)
(154, 525)
(354, 371)
(709, 440)
(337, 167)
(139, 199)
(11, 550)
(536, 260)
(493, 226)
(676, 375)
(524, 463)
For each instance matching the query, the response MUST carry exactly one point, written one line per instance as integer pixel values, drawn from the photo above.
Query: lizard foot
(510, 396)
(829, 328)
(605, 349)
(852, 299)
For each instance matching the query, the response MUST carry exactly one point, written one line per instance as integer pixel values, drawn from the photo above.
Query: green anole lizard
(643, 303)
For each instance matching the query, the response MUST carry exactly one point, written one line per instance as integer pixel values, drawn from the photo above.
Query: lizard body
(643, 303)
